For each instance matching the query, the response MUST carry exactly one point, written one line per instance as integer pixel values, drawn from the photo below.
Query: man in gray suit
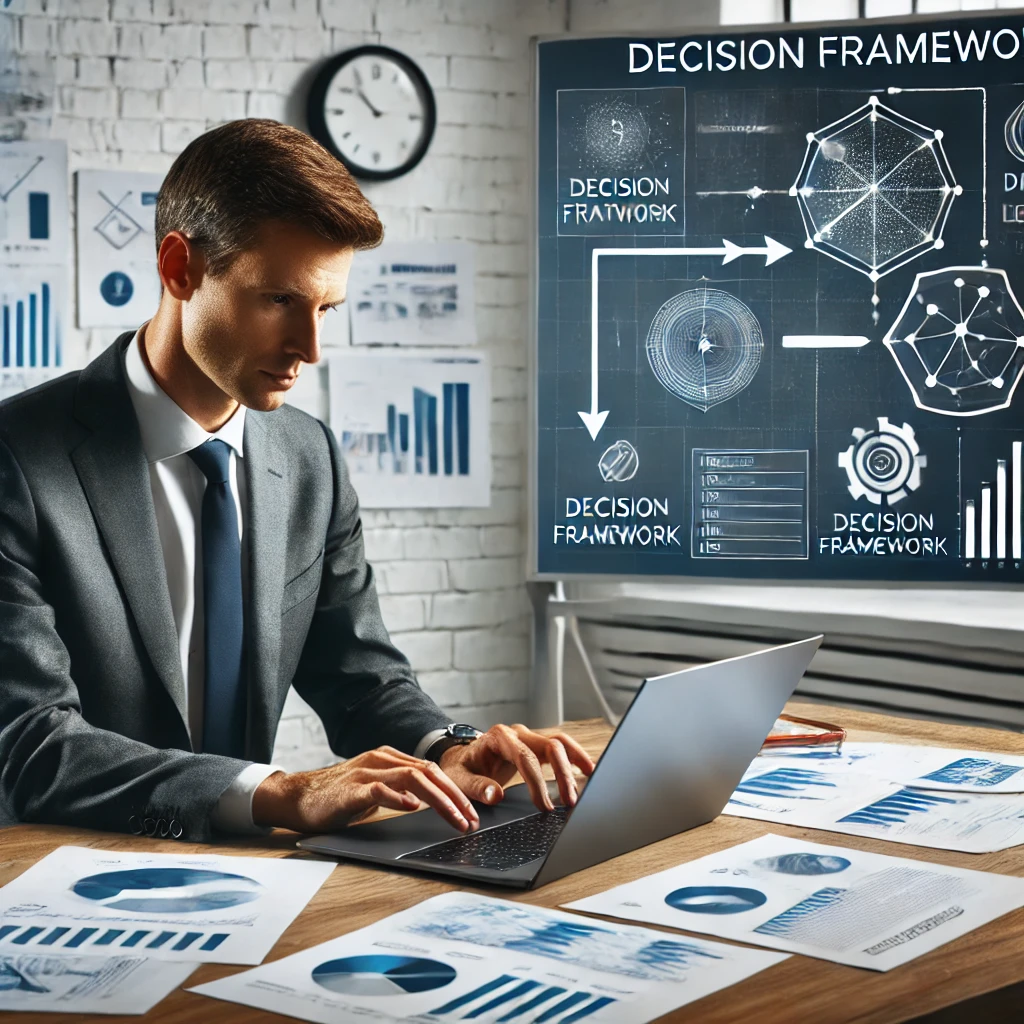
(177, 547)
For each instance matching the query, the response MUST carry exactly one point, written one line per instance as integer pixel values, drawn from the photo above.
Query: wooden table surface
(814, 991)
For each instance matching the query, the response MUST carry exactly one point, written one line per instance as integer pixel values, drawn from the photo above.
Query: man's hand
(329, 798)
(481, 768)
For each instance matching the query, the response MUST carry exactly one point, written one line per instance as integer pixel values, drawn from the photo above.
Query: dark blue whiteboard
(786, 301)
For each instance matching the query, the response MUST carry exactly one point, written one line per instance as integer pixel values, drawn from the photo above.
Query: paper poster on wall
(32, 325)
(118, 284)
(201, 909)
(413, 293)
(34, 202)
(414, 427)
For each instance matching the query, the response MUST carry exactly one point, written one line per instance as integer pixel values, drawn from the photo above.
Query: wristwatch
(456, 735)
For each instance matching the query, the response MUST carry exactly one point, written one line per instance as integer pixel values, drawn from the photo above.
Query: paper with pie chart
(461, 956)
(830, 902)
(162, 906)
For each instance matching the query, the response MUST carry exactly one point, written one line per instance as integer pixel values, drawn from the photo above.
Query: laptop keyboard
(500, 848)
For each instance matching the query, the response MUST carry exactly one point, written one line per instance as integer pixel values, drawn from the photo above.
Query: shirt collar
(167, 430)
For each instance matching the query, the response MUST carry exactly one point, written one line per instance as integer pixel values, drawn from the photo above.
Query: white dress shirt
(178, 485)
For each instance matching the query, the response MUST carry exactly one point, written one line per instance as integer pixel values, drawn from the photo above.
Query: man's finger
(577, 755)
(412, 780)
(559, 761)
(437, 775)
(478, 787)
(528, 766)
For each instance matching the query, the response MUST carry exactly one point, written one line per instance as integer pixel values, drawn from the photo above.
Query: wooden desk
(825, 993)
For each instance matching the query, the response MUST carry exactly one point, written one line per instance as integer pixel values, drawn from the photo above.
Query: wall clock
(373, 108)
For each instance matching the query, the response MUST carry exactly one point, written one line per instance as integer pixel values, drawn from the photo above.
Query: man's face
(251, 328)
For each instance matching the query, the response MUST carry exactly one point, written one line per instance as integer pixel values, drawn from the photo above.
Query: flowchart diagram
(778, 331)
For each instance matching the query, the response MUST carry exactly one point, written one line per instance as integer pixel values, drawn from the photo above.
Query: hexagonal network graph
(959, 341)
(875, 189)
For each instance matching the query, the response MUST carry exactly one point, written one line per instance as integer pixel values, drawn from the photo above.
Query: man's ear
(181, 265)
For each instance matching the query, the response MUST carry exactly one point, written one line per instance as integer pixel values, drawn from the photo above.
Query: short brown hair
(231, 179)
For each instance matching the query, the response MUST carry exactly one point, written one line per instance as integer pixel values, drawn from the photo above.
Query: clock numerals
(375, 71)
(376, 157)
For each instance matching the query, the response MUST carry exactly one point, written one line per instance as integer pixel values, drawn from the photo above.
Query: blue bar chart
(83, 938)
(391, 447)
(413, 430)
(508, 998)
(29, 326)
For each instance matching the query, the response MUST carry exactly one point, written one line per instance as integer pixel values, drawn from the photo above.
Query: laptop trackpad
(392, 837)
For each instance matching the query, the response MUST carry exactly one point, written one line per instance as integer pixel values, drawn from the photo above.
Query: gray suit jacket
(92, 725)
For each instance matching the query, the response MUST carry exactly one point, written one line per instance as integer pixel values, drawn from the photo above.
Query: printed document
(829, 902)
(460, 956)
(165, 906)
(64, 983)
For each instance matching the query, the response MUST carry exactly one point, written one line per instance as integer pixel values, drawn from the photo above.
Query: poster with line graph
(779, 310)
(460, 956)
(848, 906)
(34, 225)
(414, 427)
(190, 908)
(118, 283)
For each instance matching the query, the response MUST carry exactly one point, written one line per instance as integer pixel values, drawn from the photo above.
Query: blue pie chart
(715, 899)
(168, 890)
(382, 975)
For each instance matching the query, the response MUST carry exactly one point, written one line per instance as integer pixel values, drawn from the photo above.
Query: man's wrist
(269, 800)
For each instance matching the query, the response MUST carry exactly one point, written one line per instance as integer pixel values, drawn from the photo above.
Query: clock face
(377, 112)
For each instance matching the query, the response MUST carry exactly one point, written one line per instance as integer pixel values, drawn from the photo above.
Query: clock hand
(362, 96)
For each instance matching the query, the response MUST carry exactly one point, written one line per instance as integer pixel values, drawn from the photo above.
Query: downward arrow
(729, 251)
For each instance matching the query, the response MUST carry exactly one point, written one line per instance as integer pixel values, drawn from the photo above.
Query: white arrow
(771, 251)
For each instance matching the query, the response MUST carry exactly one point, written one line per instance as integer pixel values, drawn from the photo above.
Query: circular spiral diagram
(1013, 133)
(704, 346)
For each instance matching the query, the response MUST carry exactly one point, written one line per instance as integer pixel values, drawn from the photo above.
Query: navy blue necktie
(224, 690)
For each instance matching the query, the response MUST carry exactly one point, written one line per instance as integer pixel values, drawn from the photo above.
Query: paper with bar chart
(32, 326)
(44, 982)
(214, 909)
(460, 956)
(829, 902)
(935, 798)
(118, 283)
(33, 203)
(414, 427)
(413, 293)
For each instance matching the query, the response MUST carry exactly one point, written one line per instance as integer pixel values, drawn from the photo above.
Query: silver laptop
(671, 765)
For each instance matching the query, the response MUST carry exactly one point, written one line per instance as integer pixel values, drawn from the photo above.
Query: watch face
(463, 732)
(378, 112)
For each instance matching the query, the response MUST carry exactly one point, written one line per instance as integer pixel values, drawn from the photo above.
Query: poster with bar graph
(118, 283)
(33, 203)
(32, 321)
(460, 956)
(209, 909)
(414, 427)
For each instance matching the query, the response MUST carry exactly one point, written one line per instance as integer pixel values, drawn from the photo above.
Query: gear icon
(883, 463)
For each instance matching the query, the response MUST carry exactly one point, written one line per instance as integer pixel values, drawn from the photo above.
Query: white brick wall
(136, 80)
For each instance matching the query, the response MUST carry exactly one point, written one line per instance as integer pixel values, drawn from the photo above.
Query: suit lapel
(111, 466)
(266, 475)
